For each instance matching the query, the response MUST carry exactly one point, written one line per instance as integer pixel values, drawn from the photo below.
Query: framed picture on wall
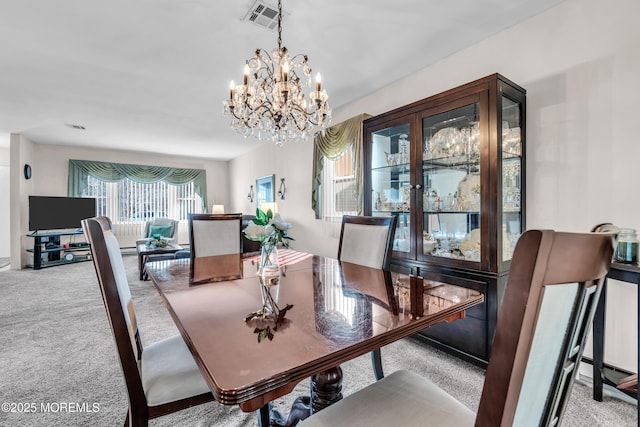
(265, 190)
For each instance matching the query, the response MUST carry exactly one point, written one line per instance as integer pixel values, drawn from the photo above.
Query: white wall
(21, 153)
(580, 65)
(50, 165)
(5, 247)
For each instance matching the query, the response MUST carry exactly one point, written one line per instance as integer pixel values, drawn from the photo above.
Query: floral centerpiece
(157, 241)
(271, 231)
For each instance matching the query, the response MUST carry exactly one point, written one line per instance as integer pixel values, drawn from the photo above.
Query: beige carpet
(56, 348)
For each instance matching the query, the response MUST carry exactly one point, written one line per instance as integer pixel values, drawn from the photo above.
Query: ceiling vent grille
(263, 15)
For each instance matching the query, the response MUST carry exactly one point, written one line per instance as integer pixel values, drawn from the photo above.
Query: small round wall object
(68, 257)
(27, 171)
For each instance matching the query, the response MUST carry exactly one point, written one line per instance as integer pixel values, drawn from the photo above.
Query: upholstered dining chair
(552, 290)
(368, 241)
(166, 227)
(216, 247)
(161, 378)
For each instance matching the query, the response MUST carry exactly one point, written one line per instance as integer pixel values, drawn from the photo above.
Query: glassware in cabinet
(451, 181)
(391, 179)
(511, 133)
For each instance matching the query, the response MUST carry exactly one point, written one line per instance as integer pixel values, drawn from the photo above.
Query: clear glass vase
(269, 278)
(269, 260)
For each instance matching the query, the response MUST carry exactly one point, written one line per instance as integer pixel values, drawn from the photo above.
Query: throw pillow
(162, 230)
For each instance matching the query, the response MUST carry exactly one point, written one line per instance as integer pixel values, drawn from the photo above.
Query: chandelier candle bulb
(285, 72)
(318, 81)
(232, 86)
(246, 73)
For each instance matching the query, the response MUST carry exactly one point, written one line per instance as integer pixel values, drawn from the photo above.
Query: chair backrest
(216, 247)
(551, 293)
(367, 240)
(107, 260)
(162, 222)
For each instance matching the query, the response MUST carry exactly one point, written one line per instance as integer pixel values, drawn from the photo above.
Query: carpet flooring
(59, 367)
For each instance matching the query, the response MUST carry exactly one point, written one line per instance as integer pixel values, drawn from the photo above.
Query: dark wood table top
(341, 311)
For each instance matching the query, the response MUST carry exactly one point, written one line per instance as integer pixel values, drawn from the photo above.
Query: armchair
(171, 234)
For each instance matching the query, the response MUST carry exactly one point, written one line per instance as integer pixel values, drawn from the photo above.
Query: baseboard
(585, 377)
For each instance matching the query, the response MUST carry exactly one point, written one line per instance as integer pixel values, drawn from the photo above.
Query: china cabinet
(451, 167)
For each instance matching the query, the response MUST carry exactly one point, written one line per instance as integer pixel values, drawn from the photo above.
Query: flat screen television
(57, 213)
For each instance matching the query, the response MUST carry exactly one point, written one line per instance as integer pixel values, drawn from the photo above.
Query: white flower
(279, 223)
(258, 232)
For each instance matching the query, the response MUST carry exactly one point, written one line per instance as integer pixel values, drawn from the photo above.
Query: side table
(146, 252)
(629, 273)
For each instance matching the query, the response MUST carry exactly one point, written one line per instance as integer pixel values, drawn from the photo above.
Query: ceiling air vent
(263, 15)
(76, 127)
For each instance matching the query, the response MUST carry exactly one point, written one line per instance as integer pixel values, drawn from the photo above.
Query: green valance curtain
(79, 170)
(331, 143)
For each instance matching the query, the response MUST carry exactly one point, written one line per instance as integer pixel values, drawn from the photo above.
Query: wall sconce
(250, 195)
(282, 189)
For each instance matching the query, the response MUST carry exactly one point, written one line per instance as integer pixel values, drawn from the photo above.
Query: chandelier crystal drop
(271, 103)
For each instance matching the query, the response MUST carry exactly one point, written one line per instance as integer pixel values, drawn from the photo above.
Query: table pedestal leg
(326, 388)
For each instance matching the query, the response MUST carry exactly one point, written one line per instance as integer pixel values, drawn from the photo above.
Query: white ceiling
(150, 75)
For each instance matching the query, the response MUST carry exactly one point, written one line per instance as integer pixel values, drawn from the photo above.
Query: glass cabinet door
(390, 180)
(451, 184)
(511, 176)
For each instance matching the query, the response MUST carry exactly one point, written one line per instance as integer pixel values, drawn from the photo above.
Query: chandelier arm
(304, 58)
(261, 59)
(295, 120)
(264, 69)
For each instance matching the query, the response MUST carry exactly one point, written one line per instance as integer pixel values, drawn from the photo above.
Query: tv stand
(49, 251)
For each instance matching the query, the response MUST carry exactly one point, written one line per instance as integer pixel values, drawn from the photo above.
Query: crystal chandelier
(271, 103)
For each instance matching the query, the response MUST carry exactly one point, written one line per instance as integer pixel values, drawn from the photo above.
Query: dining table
(329, 313)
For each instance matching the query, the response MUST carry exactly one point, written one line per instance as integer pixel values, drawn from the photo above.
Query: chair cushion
(400, 399)
(169, 372)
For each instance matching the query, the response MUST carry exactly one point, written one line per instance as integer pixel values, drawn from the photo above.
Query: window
(336, 185)
(130, 201)
(340, 195)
